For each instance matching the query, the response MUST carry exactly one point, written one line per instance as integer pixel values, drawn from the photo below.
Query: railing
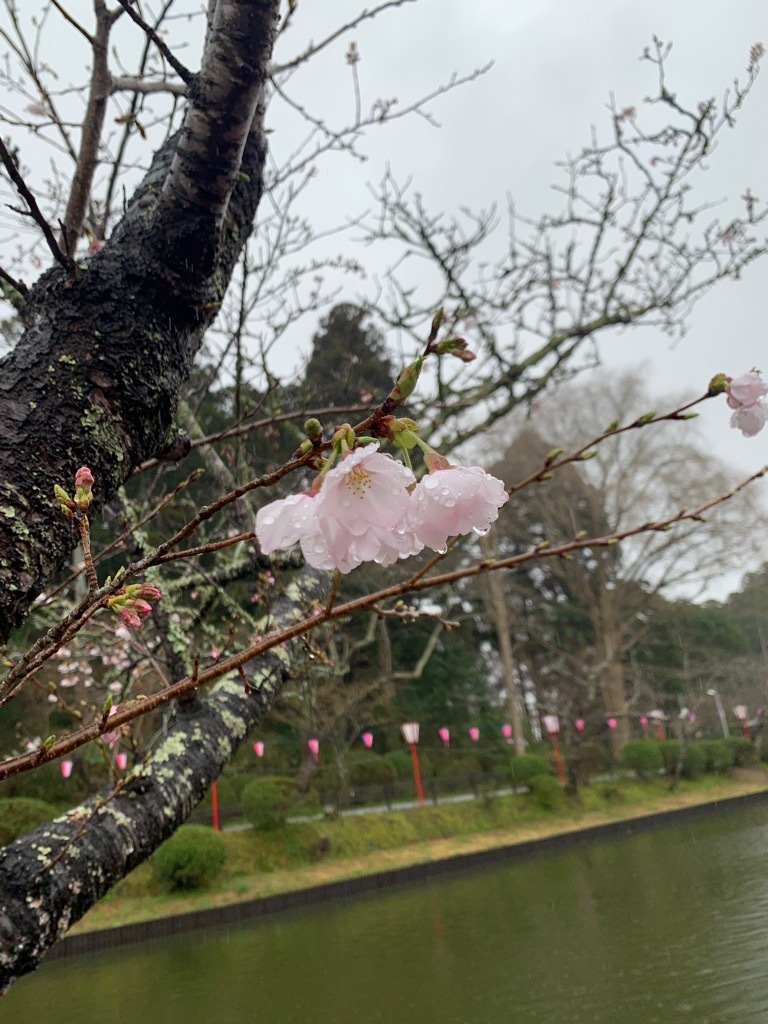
(380, 797)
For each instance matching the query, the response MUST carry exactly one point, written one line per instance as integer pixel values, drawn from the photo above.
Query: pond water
(665, 926)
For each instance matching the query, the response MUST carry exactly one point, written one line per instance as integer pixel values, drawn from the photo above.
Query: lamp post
(258, 748)
(314, 748)
(506, 732)
(66, 768)
(474, 733)
(445, 735)
(720, 712)
(551, 724)
(741, 713)
(367, 738)
(410, 731)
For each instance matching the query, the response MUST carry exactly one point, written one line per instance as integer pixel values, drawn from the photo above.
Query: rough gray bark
(96, 376)
(51, 877)
(95, 380)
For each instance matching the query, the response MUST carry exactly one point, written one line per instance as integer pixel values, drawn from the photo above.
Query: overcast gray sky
(556, 64)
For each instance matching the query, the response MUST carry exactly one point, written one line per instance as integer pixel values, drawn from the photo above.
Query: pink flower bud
(83, 485)
(84, 478)
(129, 617)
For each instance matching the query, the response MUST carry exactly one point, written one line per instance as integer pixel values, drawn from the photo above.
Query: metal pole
(720, 713)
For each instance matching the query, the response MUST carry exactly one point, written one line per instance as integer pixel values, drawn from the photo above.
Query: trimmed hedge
(718, 754)
(265, 801)
(744, 752)
(524, 767)
(643, 757)
(190, 859)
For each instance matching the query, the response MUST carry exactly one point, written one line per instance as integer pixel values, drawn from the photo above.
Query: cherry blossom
(745, 396)
(359, 515)
(750, 419)
(363, 508)
(746, 390)
(452, 501)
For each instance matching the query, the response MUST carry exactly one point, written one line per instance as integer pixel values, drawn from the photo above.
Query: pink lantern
(579, 723)
(551, 724)
(506, 731)
(644, 721)
(691, 717)
(258, 748)
(367, 739)
(66, 768)
(445, 736)
(611, 723)
(122, 761)
(474, 733)
(314, 746)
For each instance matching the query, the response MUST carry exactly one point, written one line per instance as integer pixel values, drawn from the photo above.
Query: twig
(34, 210)
(184, 73)
(143, 705)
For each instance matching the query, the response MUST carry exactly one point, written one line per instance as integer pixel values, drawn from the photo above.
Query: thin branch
(34, 210)
(142, 705)
(183, 72)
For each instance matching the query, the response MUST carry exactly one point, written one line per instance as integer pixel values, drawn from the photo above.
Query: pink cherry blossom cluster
(367, 509)
(745, 397)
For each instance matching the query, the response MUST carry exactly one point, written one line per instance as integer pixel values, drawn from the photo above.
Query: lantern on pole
(643, 722)
(410, 731)
(611, 723)
(445, 735)
(741, 713)
(579, 725)
(122, 761)
(66, 768)
(506, 732)
(474, 733)
(314, 747)
(367, 738)
(657, 717)
(551, 725)
(258, 748)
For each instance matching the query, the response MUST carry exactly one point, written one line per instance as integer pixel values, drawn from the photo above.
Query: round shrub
(265, 801)
(718, 754)
(21, 814)
(190, 859)
(546, 792)
(524, 767)
(643, 757)
(670, 752)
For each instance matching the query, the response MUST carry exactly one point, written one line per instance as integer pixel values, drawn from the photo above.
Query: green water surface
(665, 926)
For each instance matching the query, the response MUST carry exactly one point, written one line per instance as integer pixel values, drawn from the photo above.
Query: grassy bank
(304, 855)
